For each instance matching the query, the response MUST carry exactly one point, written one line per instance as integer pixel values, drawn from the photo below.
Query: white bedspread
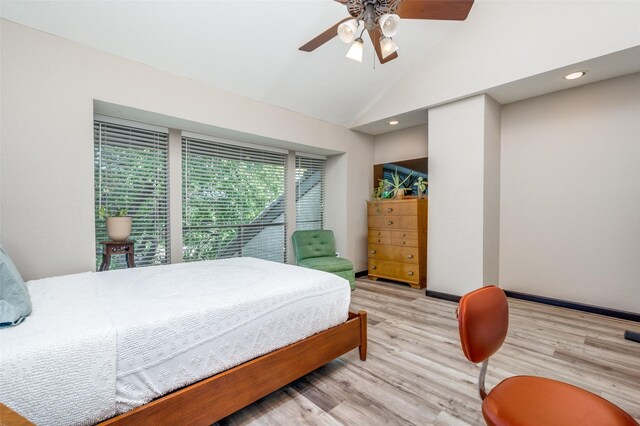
(99, 344)
(58, 366)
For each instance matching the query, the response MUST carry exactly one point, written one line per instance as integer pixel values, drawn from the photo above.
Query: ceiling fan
(380, 18)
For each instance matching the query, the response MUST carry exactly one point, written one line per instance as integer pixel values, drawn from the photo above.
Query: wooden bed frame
(209, 400)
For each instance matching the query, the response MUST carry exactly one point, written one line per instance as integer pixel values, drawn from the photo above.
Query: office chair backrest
(483, 321)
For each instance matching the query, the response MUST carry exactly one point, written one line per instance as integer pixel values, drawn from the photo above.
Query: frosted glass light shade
(387, 46)
(355, 52)
(347, 30)
(389, 24)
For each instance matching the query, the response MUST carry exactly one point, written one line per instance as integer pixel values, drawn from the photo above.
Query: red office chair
(483, 321)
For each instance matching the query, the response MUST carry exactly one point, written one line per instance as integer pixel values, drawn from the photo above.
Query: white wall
(461, 192)
(405, 144)
(570, 206)
(505, 41)
(46, 170)
(491, 191)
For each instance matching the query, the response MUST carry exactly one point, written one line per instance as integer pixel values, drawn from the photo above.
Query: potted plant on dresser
(421, 185)
(396, 185)
(118, 223)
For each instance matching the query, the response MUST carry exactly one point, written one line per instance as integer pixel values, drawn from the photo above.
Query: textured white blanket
(99, 344)
(58, 366)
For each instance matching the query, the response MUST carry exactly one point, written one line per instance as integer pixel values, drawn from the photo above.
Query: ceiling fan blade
(375, 35)
(322, 38)
(449, 10)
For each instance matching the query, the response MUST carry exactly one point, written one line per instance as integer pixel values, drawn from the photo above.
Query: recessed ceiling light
(574, 75)
(393, 122)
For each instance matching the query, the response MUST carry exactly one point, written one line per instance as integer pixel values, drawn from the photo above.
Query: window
(310, 183)
(233, 201)
(131, 174)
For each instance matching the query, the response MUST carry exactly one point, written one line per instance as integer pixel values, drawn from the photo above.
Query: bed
(188, 343)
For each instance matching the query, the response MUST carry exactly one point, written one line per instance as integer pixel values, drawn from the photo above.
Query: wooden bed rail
(211, 399)
(8, 417)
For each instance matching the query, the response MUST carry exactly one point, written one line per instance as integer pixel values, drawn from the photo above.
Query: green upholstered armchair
(317, 250)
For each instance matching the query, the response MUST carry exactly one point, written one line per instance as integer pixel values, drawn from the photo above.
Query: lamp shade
(389, 24)
(355, 52)
(347, 30)
(387, 46)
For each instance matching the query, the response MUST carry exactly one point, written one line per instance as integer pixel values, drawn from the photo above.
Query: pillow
(15, 303)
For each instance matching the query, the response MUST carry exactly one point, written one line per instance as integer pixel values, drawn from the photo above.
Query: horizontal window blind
(233, 201)
(310, 192)
(131, 174)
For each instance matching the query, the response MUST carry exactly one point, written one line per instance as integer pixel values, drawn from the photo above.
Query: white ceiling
(246, 47)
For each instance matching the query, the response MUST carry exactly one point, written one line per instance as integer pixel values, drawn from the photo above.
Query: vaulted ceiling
(511, 50)
(246, 47)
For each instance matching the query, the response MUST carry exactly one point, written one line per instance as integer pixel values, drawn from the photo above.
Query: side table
(116, 247)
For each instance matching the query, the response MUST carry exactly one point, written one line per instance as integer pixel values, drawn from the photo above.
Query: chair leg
(483, 373)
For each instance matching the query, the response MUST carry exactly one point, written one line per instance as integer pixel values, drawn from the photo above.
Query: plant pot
(119, 228)
(399, 194)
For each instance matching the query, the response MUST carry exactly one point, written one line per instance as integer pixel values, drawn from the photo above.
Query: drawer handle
(410, 273)
(410, 256)
(389, 210)
(390, 222)
(378, 233)
(378, 239)
(373, 267)
(373, 252)
(404, 242)
(404, 235)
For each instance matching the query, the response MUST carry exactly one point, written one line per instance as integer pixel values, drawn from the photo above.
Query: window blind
(233, 201)
(310, 192)
(131, 173)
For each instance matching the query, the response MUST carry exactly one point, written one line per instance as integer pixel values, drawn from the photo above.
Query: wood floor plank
(416, 373)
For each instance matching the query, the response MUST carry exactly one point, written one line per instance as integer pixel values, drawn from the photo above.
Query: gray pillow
(15, 303)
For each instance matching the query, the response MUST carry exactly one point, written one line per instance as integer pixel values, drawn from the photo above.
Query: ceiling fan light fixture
(356, 50)
(389, 24)
(347, 30)
(387, 46)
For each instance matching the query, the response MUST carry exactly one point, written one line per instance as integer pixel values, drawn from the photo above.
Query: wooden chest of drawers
(397, 248)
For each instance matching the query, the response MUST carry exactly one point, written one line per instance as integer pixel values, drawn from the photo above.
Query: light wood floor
(415, 372)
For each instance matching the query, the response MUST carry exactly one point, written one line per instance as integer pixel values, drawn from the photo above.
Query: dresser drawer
(396, 254)
(379, 233)
(401, 208)
(404, 238)
(394, 270)
(379, 240)
(393, 222)
(377, 236)
(404, 242)
(404, 235)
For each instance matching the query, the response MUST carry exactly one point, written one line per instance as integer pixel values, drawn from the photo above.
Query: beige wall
(570, 208)
(46, 170)
(506, 41)
(462, 194)
(404, 144)
(491, 191)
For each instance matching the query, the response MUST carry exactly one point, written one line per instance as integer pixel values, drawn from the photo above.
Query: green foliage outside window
(226, 203)
(132, 179)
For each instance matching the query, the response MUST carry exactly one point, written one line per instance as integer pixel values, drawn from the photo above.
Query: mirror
(419, 167)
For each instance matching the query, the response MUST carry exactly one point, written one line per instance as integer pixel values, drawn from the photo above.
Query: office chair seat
(527, 400)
